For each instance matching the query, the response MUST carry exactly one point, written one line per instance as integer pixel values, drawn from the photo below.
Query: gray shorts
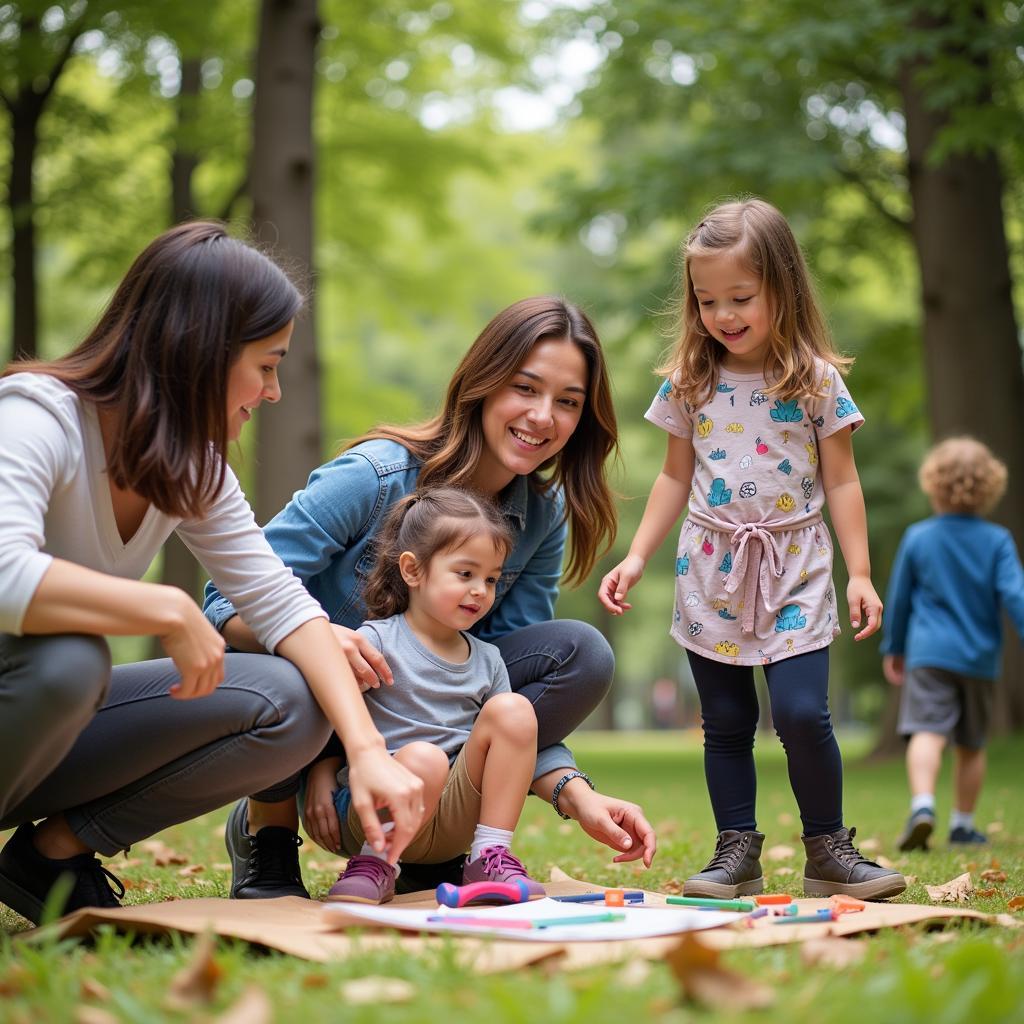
(947, 703)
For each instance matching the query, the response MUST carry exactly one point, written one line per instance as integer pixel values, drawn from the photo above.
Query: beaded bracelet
(561, 782)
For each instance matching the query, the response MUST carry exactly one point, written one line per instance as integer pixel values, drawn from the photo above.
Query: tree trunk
(179, 568)
(281, 175)
(972, 352)
(25, 113)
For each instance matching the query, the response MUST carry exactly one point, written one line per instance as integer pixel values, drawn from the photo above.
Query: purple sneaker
(365, 880)
(497, 864)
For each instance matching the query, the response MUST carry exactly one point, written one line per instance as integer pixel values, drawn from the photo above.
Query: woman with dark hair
(528, 421)
(102, 454)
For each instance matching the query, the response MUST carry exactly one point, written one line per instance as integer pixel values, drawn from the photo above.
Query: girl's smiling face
(734, 309)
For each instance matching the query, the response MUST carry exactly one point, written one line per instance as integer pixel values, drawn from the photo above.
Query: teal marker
(557, 922)
(695, 901)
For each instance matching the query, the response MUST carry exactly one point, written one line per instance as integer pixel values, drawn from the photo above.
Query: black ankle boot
(835, 865)
(734, 870)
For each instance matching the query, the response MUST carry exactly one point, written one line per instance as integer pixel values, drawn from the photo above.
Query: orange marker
(614, 898)
(768, 899)
(843, 904)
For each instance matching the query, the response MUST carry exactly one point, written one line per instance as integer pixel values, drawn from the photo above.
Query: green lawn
(963, 974)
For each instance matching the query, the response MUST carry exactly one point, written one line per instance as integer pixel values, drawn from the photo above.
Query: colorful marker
(824, 914)
(598, 897)
(709, 904)
(481, 922)
(556, 922)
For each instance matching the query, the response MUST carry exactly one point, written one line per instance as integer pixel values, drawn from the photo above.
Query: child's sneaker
(365, 879)
(498, 864)
(967, 836)
(919, 827)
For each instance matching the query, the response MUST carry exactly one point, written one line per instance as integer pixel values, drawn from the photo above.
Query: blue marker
(824, 914)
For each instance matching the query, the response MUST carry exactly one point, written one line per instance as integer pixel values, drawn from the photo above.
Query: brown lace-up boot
(734, 870)
(835, 865)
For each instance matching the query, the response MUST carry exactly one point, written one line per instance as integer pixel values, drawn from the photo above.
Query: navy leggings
(798, 690)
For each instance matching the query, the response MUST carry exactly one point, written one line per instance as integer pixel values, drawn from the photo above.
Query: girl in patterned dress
(759, 425)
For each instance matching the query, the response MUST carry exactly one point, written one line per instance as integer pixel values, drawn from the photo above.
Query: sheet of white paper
(639, 922)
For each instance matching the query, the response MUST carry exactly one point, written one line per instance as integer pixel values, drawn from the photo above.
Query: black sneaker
(918, 828)
(417, 877)
(734, 869)
(967, 836)
(263, 866)
(26, 878)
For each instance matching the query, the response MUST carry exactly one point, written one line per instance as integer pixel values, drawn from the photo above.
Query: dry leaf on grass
(94, 1015)
(704, 980)
(192, 869)
(557, 874)
(1017, 903)
(197, 982)
(957, 890)
(92, 989)
(785, 818)
(883, 861)
(162, 854)
(779, 853)
(993, 875)
(634, 974)
(377, 989)
(251, 1007)
(986, 892)
(869, 845)
(784, 871)
(830, 951)
(910, 879)
(15, 980)
(673, 887)
(993, 827)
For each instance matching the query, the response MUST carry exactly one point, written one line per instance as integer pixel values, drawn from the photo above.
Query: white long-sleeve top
(55, 502)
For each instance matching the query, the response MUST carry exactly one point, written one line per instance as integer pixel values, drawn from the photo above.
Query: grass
(964, 973)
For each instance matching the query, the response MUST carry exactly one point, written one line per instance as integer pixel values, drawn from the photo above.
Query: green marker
(557, 922)
(710, 904)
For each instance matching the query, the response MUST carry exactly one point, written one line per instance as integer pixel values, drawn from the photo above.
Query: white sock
(485, 836)
(961, 819)
(921, 802)
(368, 851)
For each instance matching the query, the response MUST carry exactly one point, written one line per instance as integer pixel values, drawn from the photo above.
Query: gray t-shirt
(431, 700)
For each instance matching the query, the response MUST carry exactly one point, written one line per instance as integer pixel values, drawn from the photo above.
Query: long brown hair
(161, 354)
(764, 242)
(431, 520)
(450, 445)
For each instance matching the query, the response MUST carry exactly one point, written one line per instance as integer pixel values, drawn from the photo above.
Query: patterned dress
(754, 563)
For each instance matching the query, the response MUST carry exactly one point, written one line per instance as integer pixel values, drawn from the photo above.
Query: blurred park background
(421, 165)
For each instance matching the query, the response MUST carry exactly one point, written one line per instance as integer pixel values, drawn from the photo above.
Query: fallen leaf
(315, 981)
(993, 863)
(993, 875)
(565, 829)
(94, 1015)
(830, 951)
(883, 861)
(558, 875)
(1017, 903)
(910, 879)
(634, 974)
(15, 980)
(162, 854)
(92, 989)
(784, 871)
(957, 890)
(251, 1007)
(779, 853)
(785, 818)
(704, 980)
(993, 827)
(673, 887)
(986, 892)
(192, 869)
(869, 845)
(221, 866)
(377, 989)
(197, 982)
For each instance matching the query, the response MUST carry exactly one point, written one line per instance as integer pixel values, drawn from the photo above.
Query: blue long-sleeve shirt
(951, 577)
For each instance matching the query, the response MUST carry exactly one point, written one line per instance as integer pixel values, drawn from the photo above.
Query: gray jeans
(122, 759)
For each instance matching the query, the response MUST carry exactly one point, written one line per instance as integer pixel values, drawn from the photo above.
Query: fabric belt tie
(756, 556)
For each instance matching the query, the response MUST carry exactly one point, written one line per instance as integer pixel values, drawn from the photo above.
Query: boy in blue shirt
(953, 574)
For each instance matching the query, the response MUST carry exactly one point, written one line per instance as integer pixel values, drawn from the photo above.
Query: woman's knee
(511, 715)
(300, 717)
(70, 674)
(592, 662)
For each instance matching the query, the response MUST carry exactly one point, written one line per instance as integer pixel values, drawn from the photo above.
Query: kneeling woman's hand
(618, 824)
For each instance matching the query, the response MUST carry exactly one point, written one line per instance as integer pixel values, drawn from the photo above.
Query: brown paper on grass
(301, 928)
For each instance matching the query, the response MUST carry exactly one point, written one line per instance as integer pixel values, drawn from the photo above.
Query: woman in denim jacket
(528, 421)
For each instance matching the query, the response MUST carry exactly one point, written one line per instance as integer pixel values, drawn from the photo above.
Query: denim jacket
(325, 535)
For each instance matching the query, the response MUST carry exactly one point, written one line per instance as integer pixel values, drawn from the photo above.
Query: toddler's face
(734, 309)
(458, 587)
